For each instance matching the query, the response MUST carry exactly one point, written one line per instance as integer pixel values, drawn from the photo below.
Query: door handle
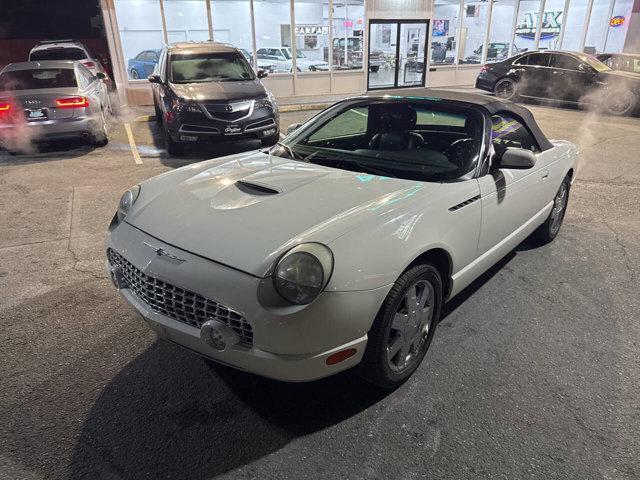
(545, 175)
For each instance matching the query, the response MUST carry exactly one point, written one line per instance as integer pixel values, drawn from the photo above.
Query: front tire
(134, 74)
(506, 89)
(550, 228)
(404, 327)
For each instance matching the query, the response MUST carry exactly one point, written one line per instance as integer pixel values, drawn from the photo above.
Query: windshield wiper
(374, 170)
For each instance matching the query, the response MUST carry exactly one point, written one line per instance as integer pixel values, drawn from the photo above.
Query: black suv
(207, 91)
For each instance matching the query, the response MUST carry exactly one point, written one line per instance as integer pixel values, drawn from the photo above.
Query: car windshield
(209, 67)
(594, 62)
(58, 53)
(426, 140)
(37, 79)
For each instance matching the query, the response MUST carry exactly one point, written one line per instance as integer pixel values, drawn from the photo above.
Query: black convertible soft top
(492, 104)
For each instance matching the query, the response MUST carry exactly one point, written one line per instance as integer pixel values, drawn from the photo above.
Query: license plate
(37, 114)
(233, 130)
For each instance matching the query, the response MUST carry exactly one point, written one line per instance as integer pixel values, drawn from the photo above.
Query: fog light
(271, 131)
(218, 335)
(188, 138)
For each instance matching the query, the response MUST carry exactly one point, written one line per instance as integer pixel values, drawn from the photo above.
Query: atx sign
(551, 24)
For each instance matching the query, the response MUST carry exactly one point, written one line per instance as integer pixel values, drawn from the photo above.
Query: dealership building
(322, 47)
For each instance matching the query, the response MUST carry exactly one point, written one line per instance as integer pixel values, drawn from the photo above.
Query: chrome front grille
(178, 303)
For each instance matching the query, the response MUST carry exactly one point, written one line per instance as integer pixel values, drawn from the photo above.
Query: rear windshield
(62, 53)
(37, 79)
(209, 67)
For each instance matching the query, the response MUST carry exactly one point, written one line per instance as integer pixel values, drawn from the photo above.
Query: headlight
(303, 272)
(126, 202)
(265, 102)
(182, 105)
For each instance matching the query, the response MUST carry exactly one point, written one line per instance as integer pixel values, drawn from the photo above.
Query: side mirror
(262, 73)
(155, 79)
(293, 127)
(517, 159)
(101, 76)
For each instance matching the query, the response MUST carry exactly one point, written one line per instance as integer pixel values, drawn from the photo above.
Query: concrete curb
(302, 107)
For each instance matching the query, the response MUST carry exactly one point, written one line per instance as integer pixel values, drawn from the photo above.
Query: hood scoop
(253, 188)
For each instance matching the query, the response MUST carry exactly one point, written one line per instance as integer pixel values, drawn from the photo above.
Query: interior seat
(395, 125)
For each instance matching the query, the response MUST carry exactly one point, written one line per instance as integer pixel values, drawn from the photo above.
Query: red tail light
(6, 111)
(6, 106)
(72, 102)
(89, 64)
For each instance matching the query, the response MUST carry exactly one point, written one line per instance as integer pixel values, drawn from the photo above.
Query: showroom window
(526, 26)
(444, 32)
(573, 25)
(598, 23)
(311, 35)
(474, 25)
(140, 26)
(186, 20)
(232, 24)
(273, 34)
(618, 25)
(348, 35)
(502, 18)
(552, 25)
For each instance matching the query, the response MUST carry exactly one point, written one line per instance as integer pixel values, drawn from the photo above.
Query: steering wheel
(460, 151)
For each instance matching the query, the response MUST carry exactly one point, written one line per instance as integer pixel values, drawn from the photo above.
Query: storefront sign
(551, 25)
(617, 21)
(302, 30)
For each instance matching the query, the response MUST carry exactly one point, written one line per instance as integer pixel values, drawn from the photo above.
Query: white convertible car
(338, 246)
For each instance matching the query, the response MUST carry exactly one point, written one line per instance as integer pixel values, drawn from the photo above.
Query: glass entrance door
(397, 53)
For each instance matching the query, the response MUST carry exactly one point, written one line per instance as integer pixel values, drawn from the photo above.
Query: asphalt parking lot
(534, 371)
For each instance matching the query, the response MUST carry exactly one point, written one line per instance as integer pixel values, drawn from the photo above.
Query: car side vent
(464, 204)
(255, 188)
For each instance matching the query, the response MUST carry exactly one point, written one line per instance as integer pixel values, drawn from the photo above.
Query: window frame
(494, 160)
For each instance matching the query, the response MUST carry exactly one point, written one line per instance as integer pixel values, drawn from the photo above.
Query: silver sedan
(51, 100)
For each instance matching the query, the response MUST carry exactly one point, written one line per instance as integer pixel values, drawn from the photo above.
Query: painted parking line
(132, 144)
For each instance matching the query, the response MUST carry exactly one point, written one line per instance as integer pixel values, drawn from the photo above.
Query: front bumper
(201, 126)
(289, 343)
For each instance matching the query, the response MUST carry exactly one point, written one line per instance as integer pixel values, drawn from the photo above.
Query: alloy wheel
(505, 89)
(410, 326)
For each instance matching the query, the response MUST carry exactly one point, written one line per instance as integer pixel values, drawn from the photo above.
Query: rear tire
(174, 148)
(550, 228)
(506, 89)
(404, 327)
(134, 74)
(101, 138)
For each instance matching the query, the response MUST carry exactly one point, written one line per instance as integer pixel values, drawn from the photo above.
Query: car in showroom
(626, 62)
(208, 92)
(52, 99)
(348, 54)
(262, 65)
(569, 77)
(282, 57)
(497, 51)
(143, 64)
(338, 246)
(69, 50)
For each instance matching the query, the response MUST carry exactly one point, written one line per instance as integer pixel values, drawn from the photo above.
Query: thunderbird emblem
(161, 252)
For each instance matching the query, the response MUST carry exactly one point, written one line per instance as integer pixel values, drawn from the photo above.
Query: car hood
(219, 90)
(246, 211)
